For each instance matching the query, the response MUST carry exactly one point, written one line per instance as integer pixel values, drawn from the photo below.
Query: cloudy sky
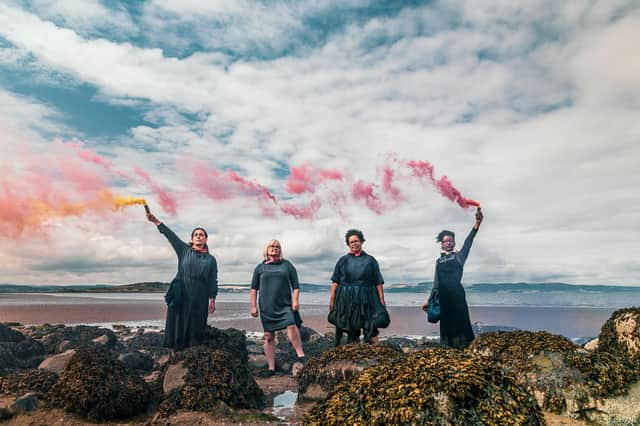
(297, 120)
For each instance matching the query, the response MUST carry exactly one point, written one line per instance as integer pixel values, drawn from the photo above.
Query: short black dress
(356, 295)
(275, 281)
(455, 325)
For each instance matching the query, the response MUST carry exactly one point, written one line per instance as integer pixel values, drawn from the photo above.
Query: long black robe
(186, 324)
(274, 282)
(455, 325)
(356, 296)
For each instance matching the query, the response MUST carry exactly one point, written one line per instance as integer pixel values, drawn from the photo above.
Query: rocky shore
(83, 374)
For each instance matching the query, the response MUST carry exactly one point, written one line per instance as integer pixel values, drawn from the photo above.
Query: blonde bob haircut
(266, 249)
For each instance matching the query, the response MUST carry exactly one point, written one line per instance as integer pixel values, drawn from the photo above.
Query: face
(199, 238)
(448, 243)
(355, 245)
(274, 249)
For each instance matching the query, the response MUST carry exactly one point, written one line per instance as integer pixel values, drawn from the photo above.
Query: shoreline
(406, 321)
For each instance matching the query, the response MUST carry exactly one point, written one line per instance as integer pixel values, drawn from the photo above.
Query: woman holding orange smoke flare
(198, 276)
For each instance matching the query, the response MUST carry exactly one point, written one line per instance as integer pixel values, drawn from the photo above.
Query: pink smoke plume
(305, 178)
(166, 201)
(365, 191)
(423, 169)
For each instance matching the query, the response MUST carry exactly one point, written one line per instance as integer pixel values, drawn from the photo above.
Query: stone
(7, 334)
(57, 363)
(136, 361)
(25, 403)
(296, 369)
(174, 377)
(591, 345)
(103, 340)
(620, 335)
(257, 362)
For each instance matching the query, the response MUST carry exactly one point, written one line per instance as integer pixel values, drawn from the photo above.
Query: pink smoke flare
(166, 201)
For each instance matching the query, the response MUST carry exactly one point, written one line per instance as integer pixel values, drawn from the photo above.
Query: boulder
(97, 386)
(206, 377)
(257, 362)
(434, 386)
(323, 373)
(57, 363)
(136, 361)
(25, 403)
(53, 337)
(620, 335)
(565, 378)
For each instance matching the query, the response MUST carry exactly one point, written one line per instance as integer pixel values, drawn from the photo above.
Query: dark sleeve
(255, 281)
(376, 272)
(464, 253)
(178, 245)
(293, 277)
(436, 283)
(337, 272)
(213, 279)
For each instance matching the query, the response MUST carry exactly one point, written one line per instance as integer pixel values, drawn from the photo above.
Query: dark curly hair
(351, 232)
(444, 233)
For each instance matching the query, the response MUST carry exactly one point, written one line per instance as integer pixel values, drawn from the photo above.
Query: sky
(297, 120)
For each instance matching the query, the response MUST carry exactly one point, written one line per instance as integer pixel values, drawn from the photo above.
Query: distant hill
(145, 287)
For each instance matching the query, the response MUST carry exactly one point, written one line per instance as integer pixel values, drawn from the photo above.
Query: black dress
(356, 295)
(274, 282)
(455, 325)
(186, 324)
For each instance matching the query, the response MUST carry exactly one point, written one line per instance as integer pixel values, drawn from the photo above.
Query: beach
(148, 310)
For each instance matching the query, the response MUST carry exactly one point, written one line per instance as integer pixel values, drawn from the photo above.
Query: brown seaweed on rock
(25, 381)
(430, 387)
(212, 376)
(74, 337)
(231, 340)
(620, 335)
(563, 376)
(97, 386)
(340, 364)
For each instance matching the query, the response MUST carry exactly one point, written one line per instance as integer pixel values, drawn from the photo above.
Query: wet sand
(405, 321)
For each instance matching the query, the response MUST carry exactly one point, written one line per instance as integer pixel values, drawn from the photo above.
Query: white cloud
(538, 124)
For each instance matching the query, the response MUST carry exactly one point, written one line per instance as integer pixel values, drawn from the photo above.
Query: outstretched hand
(151, 218)
(479, 217)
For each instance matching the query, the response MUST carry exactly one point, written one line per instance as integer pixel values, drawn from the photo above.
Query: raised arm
(464, 252)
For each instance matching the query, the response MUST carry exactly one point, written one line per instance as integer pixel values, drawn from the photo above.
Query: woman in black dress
(455, 325)
(356, 292)
(198, 272)
(276, 279)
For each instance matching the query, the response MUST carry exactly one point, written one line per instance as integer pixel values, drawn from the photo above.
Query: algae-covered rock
(620, 335)
(7, 334)
(52, 336)
(324, 372)
(230, 340)
(564, 377)
(25, 381)
(434, 386)
(99, 387)
(211, 376)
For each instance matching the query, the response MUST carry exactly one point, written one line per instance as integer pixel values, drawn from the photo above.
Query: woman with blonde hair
(276, 279)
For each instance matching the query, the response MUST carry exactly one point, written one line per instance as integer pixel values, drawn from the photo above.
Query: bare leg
(293, 333)
(270, 349)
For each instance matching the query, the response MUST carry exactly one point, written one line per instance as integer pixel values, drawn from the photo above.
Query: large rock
(57, 363)
(323, 373)
(565, 378)
(25, 403)
(433, 386)
(99, 387)
(620, 335)
(211, 377)
(174, 377)
(136, 361)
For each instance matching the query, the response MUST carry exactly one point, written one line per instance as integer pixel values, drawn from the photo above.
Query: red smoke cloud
(423, 169)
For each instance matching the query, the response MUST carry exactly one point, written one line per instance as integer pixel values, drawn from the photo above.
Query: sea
(575, 311)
